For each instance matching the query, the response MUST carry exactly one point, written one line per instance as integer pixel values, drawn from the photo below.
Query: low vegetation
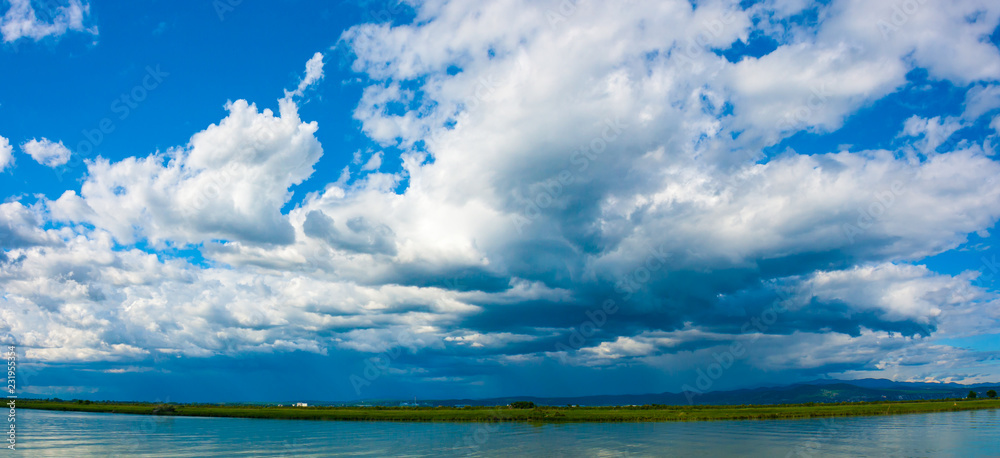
(523, 412)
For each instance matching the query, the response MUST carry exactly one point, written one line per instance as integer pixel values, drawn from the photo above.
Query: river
(77, 434)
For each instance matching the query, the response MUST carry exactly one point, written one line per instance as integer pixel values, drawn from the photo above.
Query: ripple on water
(61, 434)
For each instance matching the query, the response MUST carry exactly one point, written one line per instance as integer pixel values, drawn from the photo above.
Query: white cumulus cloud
(314, 73)
(229, 182)
(6, 153)
(47, 152)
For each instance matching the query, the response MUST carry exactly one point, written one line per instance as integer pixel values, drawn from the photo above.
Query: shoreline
(541, 414)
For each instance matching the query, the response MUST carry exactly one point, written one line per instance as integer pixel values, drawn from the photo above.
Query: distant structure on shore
(300, 404)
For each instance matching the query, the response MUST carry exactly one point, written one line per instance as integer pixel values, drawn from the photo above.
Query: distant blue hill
(814, 391)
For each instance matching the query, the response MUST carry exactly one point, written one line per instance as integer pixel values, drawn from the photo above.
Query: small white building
(301, 404)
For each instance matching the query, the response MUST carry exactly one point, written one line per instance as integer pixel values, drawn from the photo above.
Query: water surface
(78, 434)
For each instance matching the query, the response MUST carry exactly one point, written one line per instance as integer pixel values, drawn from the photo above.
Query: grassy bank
(538, 414)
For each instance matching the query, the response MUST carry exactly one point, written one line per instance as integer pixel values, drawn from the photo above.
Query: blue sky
(238, 201)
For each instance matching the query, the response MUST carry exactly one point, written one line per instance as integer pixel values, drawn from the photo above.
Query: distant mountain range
(814, 391)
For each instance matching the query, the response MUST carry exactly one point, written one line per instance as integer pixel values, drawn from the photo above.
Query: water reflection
(60, 434)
